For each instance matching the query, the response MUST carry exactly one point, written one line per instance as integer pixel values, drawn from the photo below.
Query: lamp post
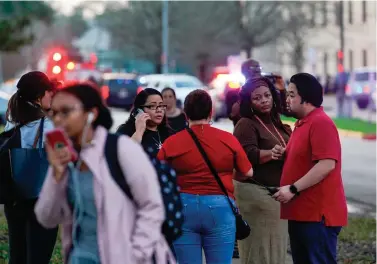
(165, 36)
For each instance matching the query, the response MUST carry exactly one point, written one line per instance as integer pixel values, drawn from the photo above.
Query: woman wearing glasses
(147, 122)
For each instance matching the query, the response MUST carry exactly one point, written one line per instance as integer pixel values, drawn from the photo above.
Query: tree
(199, 32)
(295, 34)
(261, 22)
(16, 21)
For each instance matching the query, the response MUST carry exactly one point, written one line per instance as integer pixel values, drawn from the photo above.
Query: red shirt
(314, 138)
(193, 174)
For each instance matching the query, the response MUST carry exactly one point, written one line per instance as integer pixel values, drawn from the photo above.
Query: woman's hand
(277, 152)
(58, 159)
(141, 123)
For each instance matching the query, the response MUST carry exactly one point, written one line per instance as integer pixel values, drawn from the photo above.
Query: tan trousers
(267, 243)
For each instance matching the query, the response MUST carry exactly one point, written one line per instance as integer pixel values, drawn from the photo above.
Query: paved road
(359, 166)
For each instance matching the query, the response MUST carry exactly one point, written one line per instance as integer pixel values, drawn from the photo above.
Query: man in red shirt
(311, 192)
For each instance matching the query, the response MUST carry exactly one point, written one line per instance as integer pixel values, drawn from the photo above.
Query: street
(359, 166)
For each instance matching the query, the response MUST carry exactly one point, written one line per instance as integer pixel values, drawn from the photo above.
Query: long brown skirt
(267, 243)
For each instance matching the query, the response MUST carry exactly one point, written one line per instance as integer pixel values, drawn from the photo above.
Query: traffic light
(340, 56)
(56, 63)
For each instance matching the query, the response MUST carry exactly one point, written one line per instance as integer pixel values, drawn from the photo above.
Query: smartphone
(138, 112)
(58, 139)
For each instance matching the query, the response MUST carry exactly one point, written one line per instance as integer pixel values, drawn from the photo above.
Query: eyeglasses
(155, 107)
(64, 111)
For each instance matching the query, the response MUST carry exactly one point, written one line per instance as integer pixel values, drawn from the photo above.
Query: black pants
(29, 242)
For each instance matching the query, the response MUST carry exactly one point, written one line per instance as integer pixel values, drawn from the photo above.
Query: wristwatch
(294, 190)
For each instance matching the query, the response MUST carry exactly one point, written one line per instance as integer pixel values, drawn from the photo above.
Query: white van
(182, 84)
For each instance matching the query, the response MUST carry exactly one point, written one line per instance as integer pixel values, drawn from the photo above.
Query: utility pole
(165, 36)
(341, 31)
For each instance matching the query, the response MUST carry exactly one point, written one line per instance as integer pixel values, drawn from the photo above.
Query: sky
(66, 6)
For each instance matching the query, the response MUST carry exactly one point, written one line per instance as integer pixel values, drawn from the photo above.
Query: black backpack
(172, 227)
(8, 140)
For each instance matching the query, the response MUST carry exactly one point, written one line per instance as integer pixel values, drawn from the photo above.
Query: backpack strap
(111, 153)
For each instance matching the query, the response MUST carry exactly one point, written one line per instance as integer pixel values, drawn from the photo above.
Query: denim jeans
(313, 242)
(210, 226)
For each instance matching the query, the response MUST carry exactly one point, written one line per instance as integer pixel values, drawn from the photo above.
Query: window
(350, 55)
(325, 63)
(324, 13)
(365, 58)
(350, 12)
(364, 11)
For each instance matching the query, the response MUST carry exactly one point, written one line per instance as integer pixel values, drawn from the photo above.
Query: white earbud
(90, 118)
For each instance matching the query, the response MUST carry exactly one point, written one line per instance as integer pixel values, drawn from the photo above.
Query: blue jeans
(210, 225)
(313, 242)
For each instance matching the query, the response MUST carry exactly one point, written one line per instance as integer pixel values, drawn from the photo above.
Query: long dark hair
(246, 109)
(139, 101)
(90, 98)
(22, 106)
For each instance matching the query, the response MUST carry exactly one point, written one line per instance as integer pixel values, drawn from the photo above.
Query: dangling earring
(274, 105)
(252, 111)
(210, 122)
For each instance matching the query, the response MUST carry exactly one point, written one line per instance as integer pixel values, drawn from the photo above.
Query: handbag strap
(211, 168)
(39, 135)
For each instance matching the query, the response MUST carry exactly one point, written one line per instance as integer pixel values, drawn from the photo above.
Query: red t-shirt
(314, 138)
(193, 174)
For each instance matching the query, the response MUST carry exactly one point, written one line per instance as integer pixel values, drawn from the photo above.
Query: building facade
(322, 41)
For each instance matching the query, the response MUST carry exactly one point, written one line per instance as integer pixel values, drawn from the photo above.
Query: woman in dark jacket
(147, 123)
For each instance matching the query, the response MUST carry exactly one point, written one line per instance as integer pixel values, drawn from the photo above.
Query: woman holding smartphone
(147, 123)
(100, 223)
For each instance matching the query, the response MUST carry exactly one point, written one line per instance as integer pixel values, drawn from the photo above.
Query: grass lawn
(352, 124)
(357, 242)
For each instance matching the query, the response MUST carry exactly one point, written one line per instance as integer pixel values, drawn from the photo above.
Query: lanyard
(272, 134)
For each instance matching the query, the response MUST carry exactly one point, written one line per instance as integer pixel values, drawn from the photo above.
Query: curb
(345, 133)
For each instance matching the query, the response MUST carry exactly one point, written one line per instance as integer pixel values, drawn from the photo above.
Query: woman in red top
(209, 220)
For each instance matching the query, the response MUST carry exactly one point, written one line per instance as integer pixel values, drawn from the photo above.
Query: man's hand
(284, 195)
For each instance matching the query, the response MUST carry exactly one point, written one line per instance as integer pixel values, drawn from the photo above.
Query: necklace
(272, 134)
(158, 143)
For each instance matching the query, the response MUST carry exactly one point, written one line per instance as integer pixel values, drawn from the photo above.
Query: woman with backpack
(29, 242)
(102, 222)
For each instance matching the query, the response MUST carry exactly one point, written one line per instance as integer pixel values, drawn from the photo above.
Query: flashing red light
(93, 58)
(340, 68)
(340, 54)
(57, 56)
(56, 69)
(105, 91)
(139, 89)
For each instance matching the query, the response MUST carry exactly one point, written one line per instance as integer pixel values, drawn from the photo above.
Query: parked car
(182, 84)
(4, 98)
(120, 89)
(361, 86)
